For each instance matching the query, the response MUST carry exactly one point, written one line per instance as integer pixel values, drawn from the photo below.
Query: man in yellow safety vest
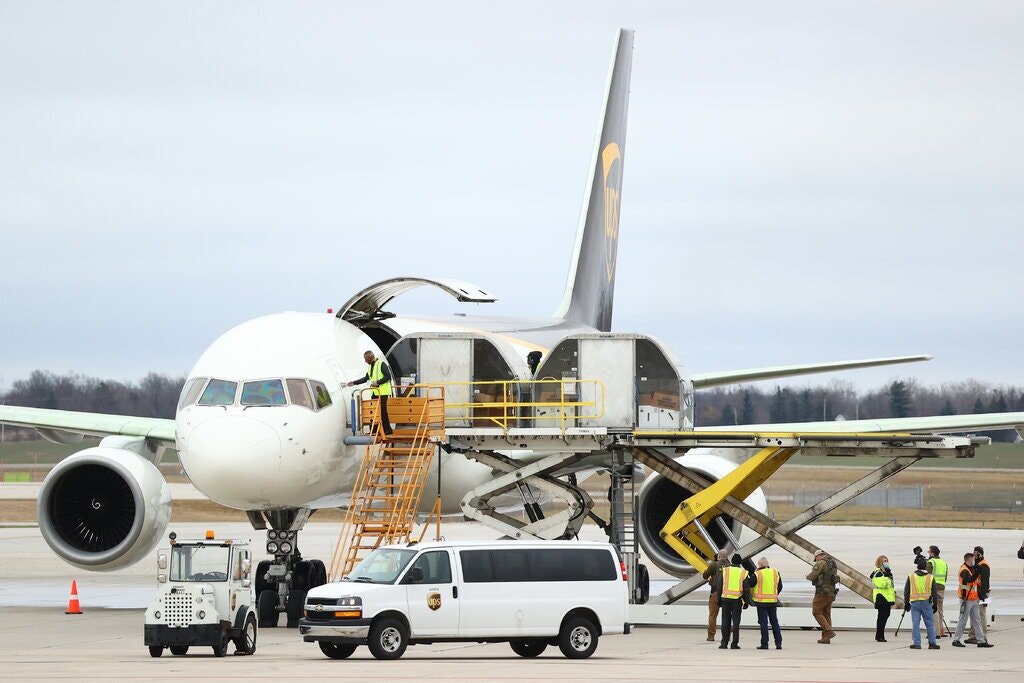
(729, 584)
(379, 376)
(765, 586)
(938, 568)
(919, 598)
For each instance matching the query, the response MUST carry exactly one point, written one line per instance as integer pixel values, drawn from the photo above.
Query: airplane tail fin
(590, 288)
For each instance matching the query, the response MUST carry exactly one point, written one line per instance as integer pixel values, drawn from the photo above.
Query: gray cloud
(804, 181)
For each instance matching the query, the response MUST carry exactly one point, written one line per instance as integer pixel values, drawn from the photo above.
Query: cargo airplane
(262, 420)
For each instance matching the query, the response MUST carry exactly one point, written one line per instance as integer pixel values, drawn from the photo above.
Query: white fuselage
(259, 457)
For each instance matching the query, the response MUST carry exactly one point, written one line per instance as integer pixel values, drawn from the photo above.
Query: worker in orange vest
(967, 591)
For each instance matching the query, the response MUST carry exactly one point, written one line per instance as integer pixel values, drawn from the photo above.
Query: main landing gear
(282, 583)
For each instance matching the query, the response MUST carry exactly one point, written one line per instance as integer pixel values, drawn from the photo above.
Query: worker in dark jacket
(713, 606)
(1020, 556)
(919, 599)
(884, 595)
(984, 577)
(734, 597)
(824, 575)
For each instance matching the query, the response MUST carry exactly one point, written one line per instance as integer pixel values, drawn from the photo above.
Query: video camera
(918, 557)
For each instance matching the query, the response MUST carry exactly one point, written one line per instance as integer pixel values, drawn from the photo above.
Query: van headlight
(350, 601)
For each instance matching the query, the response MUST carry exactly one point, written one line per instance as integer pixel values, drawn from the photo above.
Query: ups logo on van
(434, 601)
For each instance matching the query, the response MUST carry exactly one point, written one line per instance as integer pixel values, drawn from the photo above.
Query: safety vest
(376, 374)
(939, 570)
(920, 587)
(967, 591)
(732, 582)
(883, 586)
(767, 588)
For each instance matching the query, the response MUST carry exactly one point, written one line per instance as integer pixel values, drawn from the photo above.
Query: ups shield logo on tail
(612, 174)
(434, 601)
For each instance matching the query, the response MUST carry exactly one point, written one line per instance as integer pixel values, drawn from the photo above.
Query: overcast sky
(804, 181)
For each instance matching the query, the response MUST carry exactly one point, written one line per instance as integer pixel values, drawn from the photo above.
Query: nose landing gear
(282, 582)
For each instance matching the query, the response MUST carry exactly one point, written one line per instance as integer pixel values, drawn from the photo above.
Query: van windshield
(381, 566)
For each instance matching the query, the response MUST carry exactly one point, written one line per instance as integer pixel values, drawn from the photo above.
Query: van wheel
(245, 644)
(156, 650)
(578, 638)
(266, 607)
(336, 650)
(179, 649)
(532, 647)
(388, 639)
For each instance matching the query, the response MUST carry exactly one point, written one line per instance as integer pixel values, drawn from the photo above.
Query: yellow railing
(523, 403)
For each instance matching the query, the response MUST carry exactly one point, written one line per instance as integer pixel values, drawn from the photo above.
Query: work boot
(824, 641)
(915, 647)
(934, 646)
(762, 647)
(735, 646)
(778, 646)
(985, 645)
(971, 641)
(711, 639)
(723, 646)
(831, 634)
(957, 643)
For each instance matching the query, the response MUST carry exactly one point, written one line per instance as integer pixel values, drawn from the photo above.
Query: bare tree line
(155, 395)
(900, 398)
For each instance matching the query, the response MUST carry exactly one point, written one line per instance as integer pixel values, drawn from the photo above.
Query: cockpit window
(264, 392)
(299, 393)
(191, 391)
(219, 392)
(320, 395)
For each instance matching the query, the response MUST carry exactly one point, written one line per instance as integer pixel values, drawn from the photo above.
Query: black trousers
(732, 609)
(884, 608)
(382, 411)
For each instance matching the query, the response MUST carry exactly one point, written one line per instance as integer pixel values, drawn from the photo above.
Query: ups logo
(434, 601)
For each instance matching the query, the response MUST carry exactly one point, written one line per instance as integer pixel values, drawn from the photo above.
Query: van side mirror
(246, 583)
(161, 561)
(246, 566)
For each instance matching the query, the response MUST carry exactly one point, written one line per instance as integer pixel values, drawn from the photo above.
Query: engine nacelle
(104, 508)
(659, 498)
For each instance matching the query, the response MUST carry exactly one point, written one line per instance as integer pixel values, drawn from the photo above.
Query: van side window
(436, 566)
(476, 566)
(583, 564)
(510, 565)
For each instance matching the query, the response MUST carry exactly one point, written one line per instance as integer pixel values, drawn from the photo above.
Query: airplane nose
(232, 459)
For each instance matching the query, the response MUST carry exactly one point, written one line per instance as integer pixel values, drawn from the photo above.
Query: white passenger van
(529, 594)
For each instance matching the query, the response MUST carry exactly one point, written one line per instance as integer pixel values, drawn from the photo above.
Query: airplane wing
(938, 424)
(48, 422)
(706, 380)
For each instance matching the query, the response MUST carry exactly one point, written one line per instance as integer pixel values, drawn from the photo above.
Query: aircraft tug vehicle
(205, 598)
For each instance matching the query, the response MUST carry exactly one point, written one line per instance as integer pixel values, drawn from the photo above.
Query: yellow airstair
(393, 475)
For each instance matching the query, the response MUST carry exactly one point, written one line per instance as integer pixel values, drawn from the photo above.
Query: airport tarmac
(38, 641)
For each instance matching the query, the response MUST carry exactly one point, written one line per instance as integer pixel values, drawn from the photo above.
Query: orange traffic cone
(73, 606)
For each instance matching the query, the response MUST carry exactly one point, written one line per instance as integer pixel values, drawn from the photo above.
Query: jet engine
(103, 508)
(659, 498)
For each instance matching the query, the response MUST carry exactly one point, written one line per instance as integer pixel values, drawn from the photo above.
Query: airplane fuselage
(263, 439)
